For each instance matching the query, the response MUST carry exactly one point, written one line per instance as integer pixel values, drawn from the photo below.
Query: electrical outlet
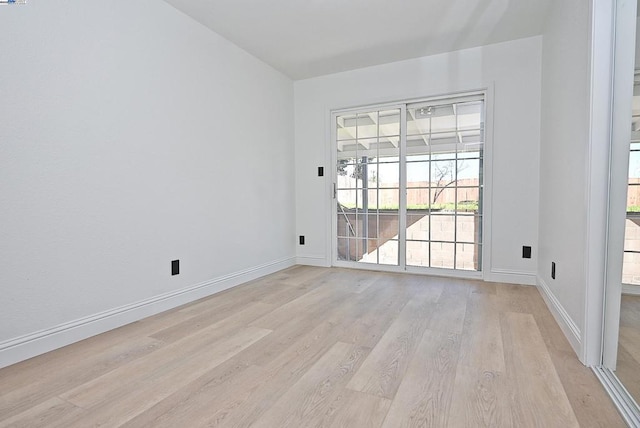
(526, 252)
(175, 267)
(553, 270)
(301, 239)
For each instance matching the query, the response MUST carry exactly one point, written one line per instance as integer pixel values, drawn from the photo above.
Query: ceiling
(307, 38)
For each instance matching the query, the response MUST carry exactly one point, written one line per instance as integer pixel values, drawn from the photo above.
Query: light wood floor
(628, 365)
(316, 347)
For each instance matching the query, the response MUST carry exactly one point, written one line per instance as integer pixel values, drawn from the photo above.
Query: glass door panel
(409, 191)
(444, 184)
(367, 186)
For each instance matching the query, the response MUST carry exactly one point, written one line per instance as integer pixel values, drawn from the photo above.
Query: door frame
(487, 93)
(613, 56)
(623, 77)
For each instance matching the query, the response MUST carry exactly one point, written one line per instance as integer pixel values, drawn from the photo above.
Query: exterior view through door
(409, 184)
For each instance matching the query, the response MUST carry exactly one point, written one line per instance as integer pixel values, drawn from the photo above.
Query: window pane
(348, 249)
(443, 227)
(469, 115)
(469, 228)
(418, 121)
(418, 144)
(388, 252)
(443, 119)
(389, 121)
(633, 196)
(346, 127)
(634, 166)
(388, 225)
(418, 158)
(418, 174)
(443, 155)
(418, 199)
(367, 125)
(443, 198)
(467, 199)
(388, 174)
(345, 221)
(467, 256)
(347, 198)
(370, 251)
(631, 268)
(389, 199)
(418, 223)
(418, 253)
(442, 255)
(468, 169)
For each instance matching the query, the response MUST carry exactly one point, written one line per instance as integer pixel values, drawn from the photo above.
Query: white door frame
(623, 76)
(487, 93)
(612, 62)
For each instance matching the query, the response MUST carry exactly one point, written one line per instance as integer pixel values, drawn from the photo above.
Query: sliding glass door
(368, 186)
(409, 184)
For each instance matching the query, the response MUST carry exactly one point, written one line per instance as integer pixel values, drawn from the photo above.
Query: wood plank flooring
(318, 347)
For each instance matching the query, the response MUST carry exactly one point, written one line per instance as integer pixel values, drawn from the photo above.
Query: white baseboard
(30, 345)
(632, 290)
(567, 325)
(313, 261)
(510, 277)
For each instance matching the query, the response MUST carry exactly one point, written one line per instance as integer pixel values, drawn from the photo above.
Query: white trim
(597, 177)
(632, 290)
(510, 276)
(332, 198)
(564, 320)
(626, 405)
(622, 94)
(448, 273)
(30, 345)
(390, 103)
(319, 261)
(486, 94)
(413, 270)
(329, 201)
(402, 200)
(487, 202)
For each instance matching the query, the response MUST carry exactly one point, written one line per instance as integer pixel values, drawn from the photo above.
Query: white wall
(131, 136)
(512, 69)
(564, 161)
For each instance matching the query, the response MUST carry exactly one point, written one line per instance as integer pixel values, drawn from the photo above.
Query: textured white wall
(130, 136)
(512, 69)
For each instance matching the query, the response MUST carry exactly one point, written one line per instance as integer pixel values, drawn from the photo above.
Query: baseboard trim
(567, 325)
(632, 290)
(313, 261)
(30, 345)
(510, 276)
